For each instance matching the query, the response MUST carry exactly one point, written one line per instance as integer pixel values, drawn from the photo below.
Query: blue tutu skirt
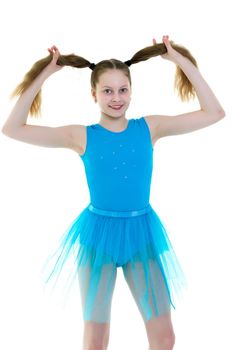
(134, 240)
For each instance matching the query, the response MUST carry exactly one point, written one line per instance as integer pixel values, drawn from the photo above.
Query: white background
(43, 189)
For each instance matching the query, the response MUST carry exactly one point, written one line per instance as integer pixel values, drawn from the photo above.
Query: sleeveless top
(118, 166)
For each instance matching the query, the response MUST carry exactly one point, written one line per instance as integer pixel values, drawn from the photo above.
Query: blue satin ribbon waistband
(119, 213)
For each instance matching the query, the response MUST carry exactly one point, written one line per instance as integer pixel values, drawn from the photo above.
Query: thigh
(96, 288)
(148, 288)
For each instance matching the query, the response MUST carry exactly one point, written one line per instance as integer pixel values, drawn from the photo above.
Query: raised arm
(210, 110)
(16, 125)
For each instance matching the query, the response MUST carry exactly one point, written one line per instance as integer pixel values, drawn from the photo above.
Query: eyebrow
(111, 87)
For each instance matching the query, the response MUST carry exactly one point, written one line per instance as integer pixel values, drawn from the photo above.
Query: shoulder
(152, 120)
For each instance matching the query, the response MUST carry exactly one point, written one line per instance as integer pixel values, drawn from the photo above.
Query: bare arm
(16, 125)
(210, 110)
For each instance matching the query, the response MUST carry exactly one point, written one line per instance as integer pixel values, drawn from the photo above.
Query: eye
(106, 91)
(124, 89)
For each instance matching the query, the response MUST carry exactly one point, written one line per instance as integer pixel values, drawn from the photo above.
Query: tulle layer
(97, 239)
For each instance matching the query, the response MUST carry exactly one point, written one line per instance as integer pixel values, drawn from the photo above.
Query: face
(113, 93)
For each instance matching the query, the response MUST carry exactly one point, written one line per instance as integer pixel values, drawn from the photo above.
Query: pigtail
(182, 84)
(63, 60)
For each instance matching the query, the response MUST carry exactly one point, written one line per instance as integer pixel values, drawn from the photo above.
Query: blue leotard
(119, 166)
(119, 227)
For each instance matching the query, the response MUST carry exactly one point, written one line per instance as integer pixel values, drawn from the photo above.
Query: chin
(115, 114)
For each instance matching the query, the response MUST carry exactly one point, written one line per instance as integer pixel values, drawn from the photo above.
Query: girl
(118, 228)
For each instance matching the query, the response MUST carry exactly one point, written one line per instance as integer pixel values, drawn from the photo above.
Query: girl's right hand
(53, 66)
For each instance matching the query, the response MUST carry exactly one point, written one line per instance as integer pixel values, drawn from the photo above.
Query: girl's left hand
(171, 53)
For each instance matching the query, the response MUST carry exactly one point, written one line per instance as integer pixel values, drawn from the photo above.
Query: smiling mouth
(117, 107)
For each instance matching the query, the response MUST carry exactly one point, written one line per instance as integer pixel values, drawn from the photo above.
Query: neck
(116, 123)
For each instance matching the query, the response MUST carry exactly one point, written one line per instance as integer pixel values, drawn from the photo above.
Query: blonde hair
(181, 83)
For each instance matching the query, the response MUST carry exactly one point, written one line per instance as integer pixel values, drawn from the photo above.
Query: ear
(93, 92)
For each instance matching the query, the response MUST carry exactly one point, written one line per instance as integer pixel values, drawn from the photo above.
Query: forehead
(113, 78)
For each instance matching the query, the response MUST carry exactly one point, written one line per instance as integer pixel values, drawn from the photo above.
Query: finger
(154, 41)
(53, 49)
(167, 42)
(166, 38)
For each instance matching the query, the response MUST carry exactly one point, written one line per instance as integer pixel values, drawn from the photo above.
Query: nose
(116, 97)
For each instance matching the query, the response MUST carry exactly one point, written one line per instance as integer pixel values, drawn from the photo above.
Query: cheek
(105, 99)
(128, 97)
(101, 97)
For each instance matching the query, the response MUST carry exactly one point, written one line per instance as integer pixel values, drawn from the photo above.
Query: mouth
(116, 107)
